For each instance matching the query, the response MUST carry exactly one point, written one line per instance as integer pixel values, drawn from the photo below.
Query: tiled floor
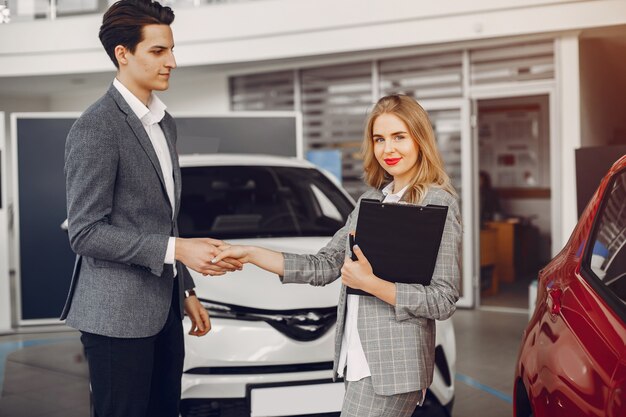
(45, 375)
(487, 348)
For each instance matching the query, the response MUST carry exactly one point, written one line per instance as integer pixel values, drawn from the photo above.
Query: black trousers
(137, 377)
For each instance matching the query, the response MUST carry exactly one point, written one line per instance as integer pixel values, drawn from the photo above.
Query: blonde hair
(429, 167)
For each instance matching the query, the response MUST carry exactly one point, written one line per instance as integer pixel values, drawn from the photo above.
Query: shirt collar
(388, 192)
(152, 114)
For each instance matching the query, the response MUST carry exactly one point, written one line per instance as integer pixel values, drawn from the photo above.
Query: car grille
(262, 369)
(301, 324)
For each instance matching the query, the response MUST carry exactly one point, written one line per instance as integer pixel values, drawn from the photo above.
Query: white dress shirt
(150, 117)
(352, 356)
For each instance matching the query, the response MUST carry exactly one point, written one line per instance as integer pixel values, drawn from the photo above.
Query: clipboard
(401, 241)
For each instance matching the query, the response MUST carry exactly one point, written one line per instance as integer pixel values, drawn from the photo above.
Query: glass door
(512, 216)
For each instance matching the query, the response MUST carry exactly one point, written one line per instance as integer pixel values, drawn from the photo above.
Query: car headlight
(299, 324)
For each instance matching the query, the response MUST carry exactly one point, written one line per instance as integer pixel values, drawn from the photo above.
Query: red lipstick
(392, 161)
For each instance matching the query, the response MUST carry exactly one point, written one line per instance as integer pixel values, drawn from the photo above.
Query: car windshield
(237, 202)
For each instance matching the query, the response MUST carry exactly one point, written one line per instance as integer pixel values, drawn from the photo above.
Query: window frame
(613, 301)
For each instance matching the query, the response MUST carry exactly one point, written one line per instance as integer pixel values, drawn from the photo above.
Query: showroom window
(607, 257)
(335, 99)
(423, 77)
(432, 78)
(268, 91)
(515, 63)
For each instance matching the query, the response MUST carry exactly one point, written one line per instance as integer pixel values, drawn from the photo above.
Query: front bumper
(221, 368)
(237, 353)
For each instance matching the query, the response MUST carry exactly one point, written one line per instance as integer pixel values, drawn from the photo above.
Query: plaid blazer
(398, 341)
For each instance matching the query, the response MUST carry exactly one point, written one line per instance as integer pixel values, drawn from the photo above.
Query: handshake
(214, 257)
(209, 256)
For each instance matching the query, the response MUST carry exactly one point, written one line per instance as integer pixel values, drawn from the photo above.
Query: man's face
(149, 67)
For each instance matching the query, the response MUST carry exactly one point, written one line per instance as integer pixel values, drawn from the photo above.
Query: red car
(572, 361)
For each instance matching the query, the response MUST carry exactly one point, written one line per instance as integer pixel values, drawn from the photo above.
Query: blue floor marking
(475, 384)
(6, 348)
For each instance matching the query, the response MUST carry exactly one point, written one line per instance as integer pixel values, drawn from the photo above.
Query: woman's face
(394, 148)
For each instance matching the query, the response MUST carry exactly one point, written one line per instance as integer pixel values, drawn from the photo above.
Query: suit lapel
(137, 127)
(170, 138)
(146, 144)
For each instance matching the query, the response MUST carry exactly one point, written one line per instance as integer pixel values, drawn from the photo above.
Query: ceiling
(38, 86)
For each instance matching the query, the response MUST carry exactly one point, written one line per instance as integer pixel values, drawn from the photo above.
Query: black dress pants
(137, 377)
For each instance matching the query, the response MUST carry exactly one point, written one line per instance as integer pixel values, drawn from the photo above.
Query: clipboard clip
(352, 242)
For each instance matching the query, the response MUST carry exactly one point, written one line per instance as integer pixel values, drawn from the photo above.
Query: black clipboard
(401, 241)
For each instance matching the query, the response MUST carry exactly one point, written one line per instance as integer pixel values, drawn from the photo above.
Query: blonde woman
(385, 344)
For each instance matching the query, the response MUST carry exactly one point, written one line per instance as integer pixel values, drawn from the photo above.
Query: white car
(270, 349)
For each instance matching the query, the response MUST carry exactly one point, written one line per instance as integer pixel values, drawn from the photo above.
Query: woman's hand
(357, 274)
(197, 254)
(360, 276)
(267, 259)
(237, 253)
(200, 321)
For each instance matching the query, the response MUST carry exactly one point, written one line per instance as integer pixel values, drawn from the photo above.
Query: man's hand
(200, 321)
(197, 254)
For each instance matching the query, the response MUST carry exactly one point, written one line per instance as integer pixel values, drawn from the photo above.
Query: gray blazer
(399, 342)
(120, 219)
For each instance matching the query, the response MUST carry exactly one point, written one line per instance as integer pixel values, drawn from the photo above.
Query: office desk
(505, 247)
(488, 258)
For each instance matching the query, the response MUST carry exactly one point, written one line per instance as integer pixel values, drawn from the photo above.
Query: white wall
(18, 103)
(196, 93)
(563, 169)
(201, 93)
(285, 29)
(76, 100)
(603, 91)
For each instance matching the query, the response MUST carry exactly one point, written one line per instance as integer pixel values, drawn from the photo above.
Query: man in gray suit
(130, 288)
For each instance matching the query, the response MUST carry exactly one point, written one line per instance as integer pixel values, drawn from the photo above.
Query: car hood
(255, 288)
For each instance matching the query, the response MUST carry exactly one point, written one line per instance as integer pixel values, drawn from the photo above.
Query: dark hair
(123, 23)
